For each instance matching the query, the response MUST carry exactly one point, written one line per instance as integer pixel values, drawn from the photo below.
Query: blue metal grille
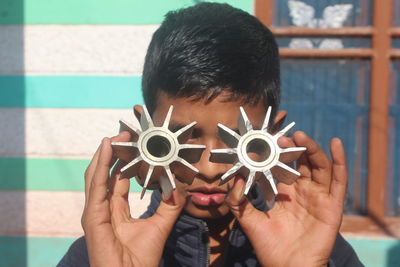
(360, 13)
(396, 13)
(329, 98)
(393, 181)
(396, 42)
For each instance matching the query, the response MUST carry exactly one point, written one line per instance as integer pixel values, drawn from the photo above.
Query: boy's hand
(301, 228)
(114, 238)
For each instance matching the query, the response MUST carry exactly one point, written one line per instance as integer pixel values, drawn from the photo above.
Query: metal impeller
(257, 155)
(161, 150)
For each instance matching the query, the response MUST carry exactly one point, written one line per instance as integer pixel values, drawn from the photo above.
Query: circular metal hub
(258, 150)
(158, 147)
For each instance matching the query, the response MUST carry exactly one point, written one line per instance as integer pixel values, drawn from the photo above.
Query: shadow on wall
(13, 240)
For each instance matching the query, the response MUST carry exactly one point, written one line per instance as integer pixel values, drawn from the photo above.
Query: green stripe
(45, 174)
(70, 91)
(96, 11)
(377, 252)
(43, 252)
(32, 251)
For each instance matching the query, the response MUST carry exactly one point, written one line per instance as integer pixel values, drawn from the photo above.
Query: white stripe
(57, 132)
(58, 214)
(50, 214)
(74, 49)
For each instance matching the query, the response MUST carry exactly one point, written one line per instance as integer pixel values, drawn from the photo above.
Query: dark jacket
(187, 244)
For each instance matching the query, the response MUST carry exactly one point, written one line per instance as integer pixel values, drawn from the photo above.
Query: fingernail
(171, 200)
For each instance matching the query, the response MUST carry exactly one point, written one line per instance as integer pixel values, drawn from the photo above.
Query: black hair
(205, 49)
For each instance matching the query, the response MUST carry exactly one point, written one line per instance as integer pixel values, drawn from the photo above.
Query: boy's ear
(279, 121)
(137, 110)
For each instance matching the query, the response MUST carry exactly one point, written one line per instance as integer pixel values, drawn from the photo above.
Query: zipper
(206, 240)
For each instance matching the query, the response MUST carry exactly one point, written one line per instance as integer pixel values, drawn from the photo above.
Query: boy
(207, 61)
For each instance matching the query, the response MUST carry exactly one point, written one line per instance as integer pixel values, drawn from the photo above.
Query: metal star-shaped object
(271, 158)
(160, 150)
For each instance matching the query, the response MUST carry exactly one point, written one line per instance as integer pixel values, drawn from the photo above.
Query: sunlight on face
(205, 198)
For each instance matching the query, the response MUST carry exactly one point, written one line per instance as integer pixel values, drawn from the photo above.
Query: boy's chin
(206, 212)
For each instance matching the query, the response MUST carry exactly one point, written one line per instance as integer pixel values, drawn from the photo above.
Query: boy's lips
(205, 196)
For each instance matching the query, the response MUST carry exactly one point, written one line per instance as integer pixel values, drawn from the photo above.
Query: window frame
(381, 54)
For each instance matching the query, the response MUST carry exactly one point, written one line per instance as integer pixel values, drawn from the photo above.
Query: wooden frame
(348, 52)
(379, 109)
(381, 52)
(345, 31)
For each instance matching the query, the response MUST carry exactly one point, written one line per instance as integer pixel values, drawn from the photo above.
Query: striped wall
(69, 70)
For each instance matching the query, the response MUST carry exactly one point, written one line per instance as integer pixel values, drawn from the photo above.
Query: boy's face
(205, 197)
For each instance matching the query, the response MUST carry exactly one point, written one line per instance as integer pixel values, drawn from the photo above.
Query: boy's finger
(339, 170)
(168, 212)
(285, 142)
(119, 196)
(99, 183)
(317, 159)
(241, 208)
(304, 167)
(89, 173)
(288, 158)
(124, 136)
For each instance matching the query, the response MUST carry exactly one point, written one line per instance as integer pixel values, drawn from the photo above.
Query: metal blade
(270, 178)
(185, 132)
(225, 155)
(191, 152)
(266, 119)
(187, 164)
(230, 173)
(249, 182)
(184, 171)
(145, 120)
(291, 154)
(228, 136)
(284, 173)
(285, 130)
(130, 169)
(266, 187)
(168, 117)
(146, 182)
(167, 183)
(244, 123)
(125, 126)
(126, 151)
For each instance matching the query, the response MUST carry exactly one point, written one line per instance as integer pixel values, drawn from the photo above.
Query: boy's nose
(209, 170)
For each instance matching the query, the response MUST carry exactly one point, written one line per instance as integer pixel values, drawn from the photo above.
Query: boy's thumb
(240, 206)
(169, 210)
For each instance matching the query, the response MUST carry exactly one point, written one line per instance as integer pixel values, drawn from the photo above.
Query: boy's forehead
(222, 99)
(222, 109)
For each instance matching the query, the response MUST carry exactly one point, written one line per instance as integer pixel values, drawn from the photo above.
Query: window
(340, 62)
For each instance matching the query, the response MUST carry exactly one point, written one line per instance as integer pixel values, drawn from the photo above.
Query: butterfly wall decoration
(303, 15)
